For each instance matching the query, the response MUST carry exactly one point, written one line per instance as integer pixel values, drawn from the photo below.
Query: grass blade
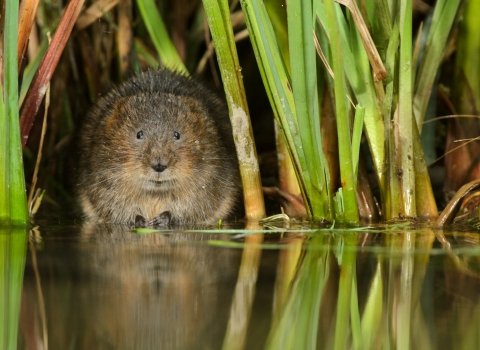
(425, 199)
(143, 52)
(47, 66)
(357, 71)
(94, 12)
(404, 142)
(382, 27)
(357, 137)
(30, 70)
(343, 119)
(305, 92)
(28, 9)
(4, 163)
(277, 84)
(13, 201)
(218, 15)
(443, 17)
(158, 32)
(373, 56)
(467, 63)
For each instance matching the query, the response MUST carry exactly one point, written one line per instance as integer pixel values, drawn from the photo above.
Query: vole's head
(162, 141)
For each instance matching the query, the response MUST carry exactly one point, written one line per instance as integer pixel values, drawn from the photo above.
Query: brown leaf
(94, 12)
(28, 9)
(38, 87)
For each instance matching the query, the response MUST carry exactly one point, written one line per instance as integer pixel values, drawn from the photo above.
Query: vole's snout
(159, 166)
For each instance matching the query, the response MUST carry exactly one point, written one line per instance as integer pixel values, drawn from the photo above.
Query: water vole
(160, 142)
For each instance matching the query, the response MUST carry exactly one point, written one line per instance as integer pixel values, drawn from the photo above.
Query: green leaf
(343, 119)
(305, 91)
(443, 17)
(13, 200)
(278, 87)
(218, 16)
(404, 141)
(158, 32)
(357, 137)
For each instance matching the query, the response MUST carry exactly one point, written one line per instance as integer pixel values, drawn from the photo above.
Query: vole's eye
(176, 135)
(140, 135)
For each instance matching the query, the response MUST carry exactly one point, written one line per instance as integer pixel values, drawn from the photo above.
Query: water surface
(87, 286)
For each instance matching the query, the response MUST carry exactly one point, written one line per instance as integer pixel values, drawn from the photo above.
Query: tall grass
(218, 15)
(391, 123)
(358, 57)
(460, 163)
(13, 201)
(158, 32)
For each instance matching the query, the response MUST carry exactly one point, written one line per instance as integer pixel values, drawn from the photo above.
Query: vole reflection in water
(114, 289)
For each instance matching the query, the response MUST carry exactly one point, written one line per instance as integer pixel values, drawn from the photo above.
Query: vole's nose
(159, 167)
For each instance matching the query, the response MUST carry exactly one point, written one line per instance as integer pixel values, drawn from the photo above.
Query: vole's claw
(161, 220)
(140, 221)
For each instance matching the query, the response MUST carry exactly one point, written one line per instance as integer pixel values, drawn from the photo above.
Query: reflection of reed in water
(118, 290)
(379, 291)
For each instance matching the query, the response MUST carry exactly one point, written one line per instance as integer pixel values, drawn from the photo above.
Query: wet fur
(115, 174)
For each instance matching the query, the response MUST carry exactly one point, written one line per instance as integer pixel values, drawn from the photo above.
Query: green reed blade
(13, 200)
(278, 16)
(391, 195)
(357, 137)
(357, 71)
(468, 59)
(343, 118)
(4, 163)
(404, 142)
(277, 84)
(159, 35)
(303, 69)
(443, 17)
(425, 198)
(142, 51)
(390, 63)
(31, 69)
(218, 16)
(277, 12)
(382, 26)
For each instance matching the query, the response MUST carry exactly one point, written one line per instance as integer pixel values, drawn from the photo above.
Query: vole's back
(159, 142)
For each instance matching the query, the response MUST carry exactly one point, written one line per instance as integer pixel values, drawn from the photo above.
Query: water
(105, 287)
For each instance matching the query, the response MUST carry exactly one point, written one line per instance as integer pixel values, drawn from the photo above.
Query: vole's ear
(118, 112)
(196, 108)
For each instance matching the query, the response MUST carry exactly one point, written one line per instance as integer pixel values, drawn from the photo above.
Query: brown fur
(116, 178)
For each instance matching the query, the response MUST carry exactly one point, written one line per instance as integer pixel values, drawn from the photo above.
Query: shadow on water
(105, 287)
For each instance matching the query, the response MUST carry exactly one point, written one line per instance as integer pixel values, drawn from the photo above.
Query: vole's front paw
(161, 220)
(140, 221)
